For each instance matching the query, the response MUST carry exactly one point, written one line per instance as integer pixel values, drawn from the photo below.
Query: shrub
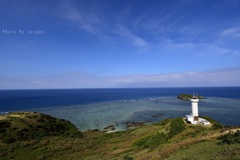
(8, 140)
(2, 130)
(127, 158)
(4, 124)
(230, 138)
(177, 126)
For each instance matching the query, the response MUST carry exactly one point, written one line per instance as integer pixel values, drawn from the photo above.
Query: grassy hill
(34, 126)
(168, 139)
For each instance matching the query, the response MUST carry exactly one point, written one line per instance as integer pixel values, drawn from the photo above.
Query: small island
(188, 97)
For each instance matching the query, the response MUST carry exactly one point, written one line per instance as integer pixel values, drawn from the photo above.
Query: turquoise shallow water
(98, 108)
(102, 114)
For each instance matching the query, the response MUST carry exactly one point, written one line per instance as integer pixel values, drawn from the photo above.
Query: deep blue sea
(98, 108)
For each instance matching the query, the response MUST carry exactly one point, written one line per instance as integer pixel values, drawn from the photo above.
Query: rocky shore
(129, 125)
(109, 128)
(133, 124)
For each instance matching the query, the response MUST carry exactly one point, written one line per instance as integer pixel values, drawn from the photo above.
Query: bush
(230, 138)
(4, 124)
(127, 158)
(9, 140)
(2, 130)
(177, 126)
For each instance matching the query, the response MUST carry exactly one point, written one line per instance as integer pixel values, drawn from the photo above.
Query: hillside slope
(168, 139)
(21, 126)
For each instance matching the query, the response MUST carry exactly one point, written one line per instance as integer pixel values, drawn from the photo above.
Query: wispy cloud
(231, 32)
(126, 33)
(84, 18)
(192, 49)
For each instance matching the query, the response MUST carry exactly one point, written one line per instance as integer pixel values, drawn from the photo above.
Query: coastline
(165, 138)
(98, 108)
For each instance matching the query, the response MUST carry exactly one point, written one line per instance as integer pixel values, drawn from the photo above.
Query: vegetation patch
(142, 142)
(168, 139)
(177, 126)
(30, 125)
(127, 158)
(152, 141)
(189, 96)
(230, 138)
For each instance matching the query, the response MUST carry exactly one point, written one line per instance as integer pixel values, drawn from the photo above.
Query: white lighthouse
(193, 117)
(195, 101)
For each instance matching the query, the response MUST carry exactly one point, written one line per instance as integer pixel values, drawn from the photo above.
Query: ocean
(98, 108)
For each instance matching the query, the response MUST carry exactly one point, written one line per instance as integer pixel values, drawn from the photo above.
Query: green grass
(201, 151)
(206, 150)
(30, 125)
(151, 142)
(148, 142)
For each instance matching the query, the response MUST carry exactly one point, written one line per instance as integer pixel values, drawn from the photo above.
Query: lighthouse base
(195, 118)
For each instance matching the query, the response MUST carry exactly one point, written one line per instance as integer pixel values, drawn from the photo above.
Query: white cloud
(86, 19)
(136, 40)
(223, 77)
(231, 32)
(192, 49)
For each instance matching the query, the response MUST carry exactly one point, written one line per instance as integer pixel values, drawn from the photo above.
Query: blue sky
(119, 43)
